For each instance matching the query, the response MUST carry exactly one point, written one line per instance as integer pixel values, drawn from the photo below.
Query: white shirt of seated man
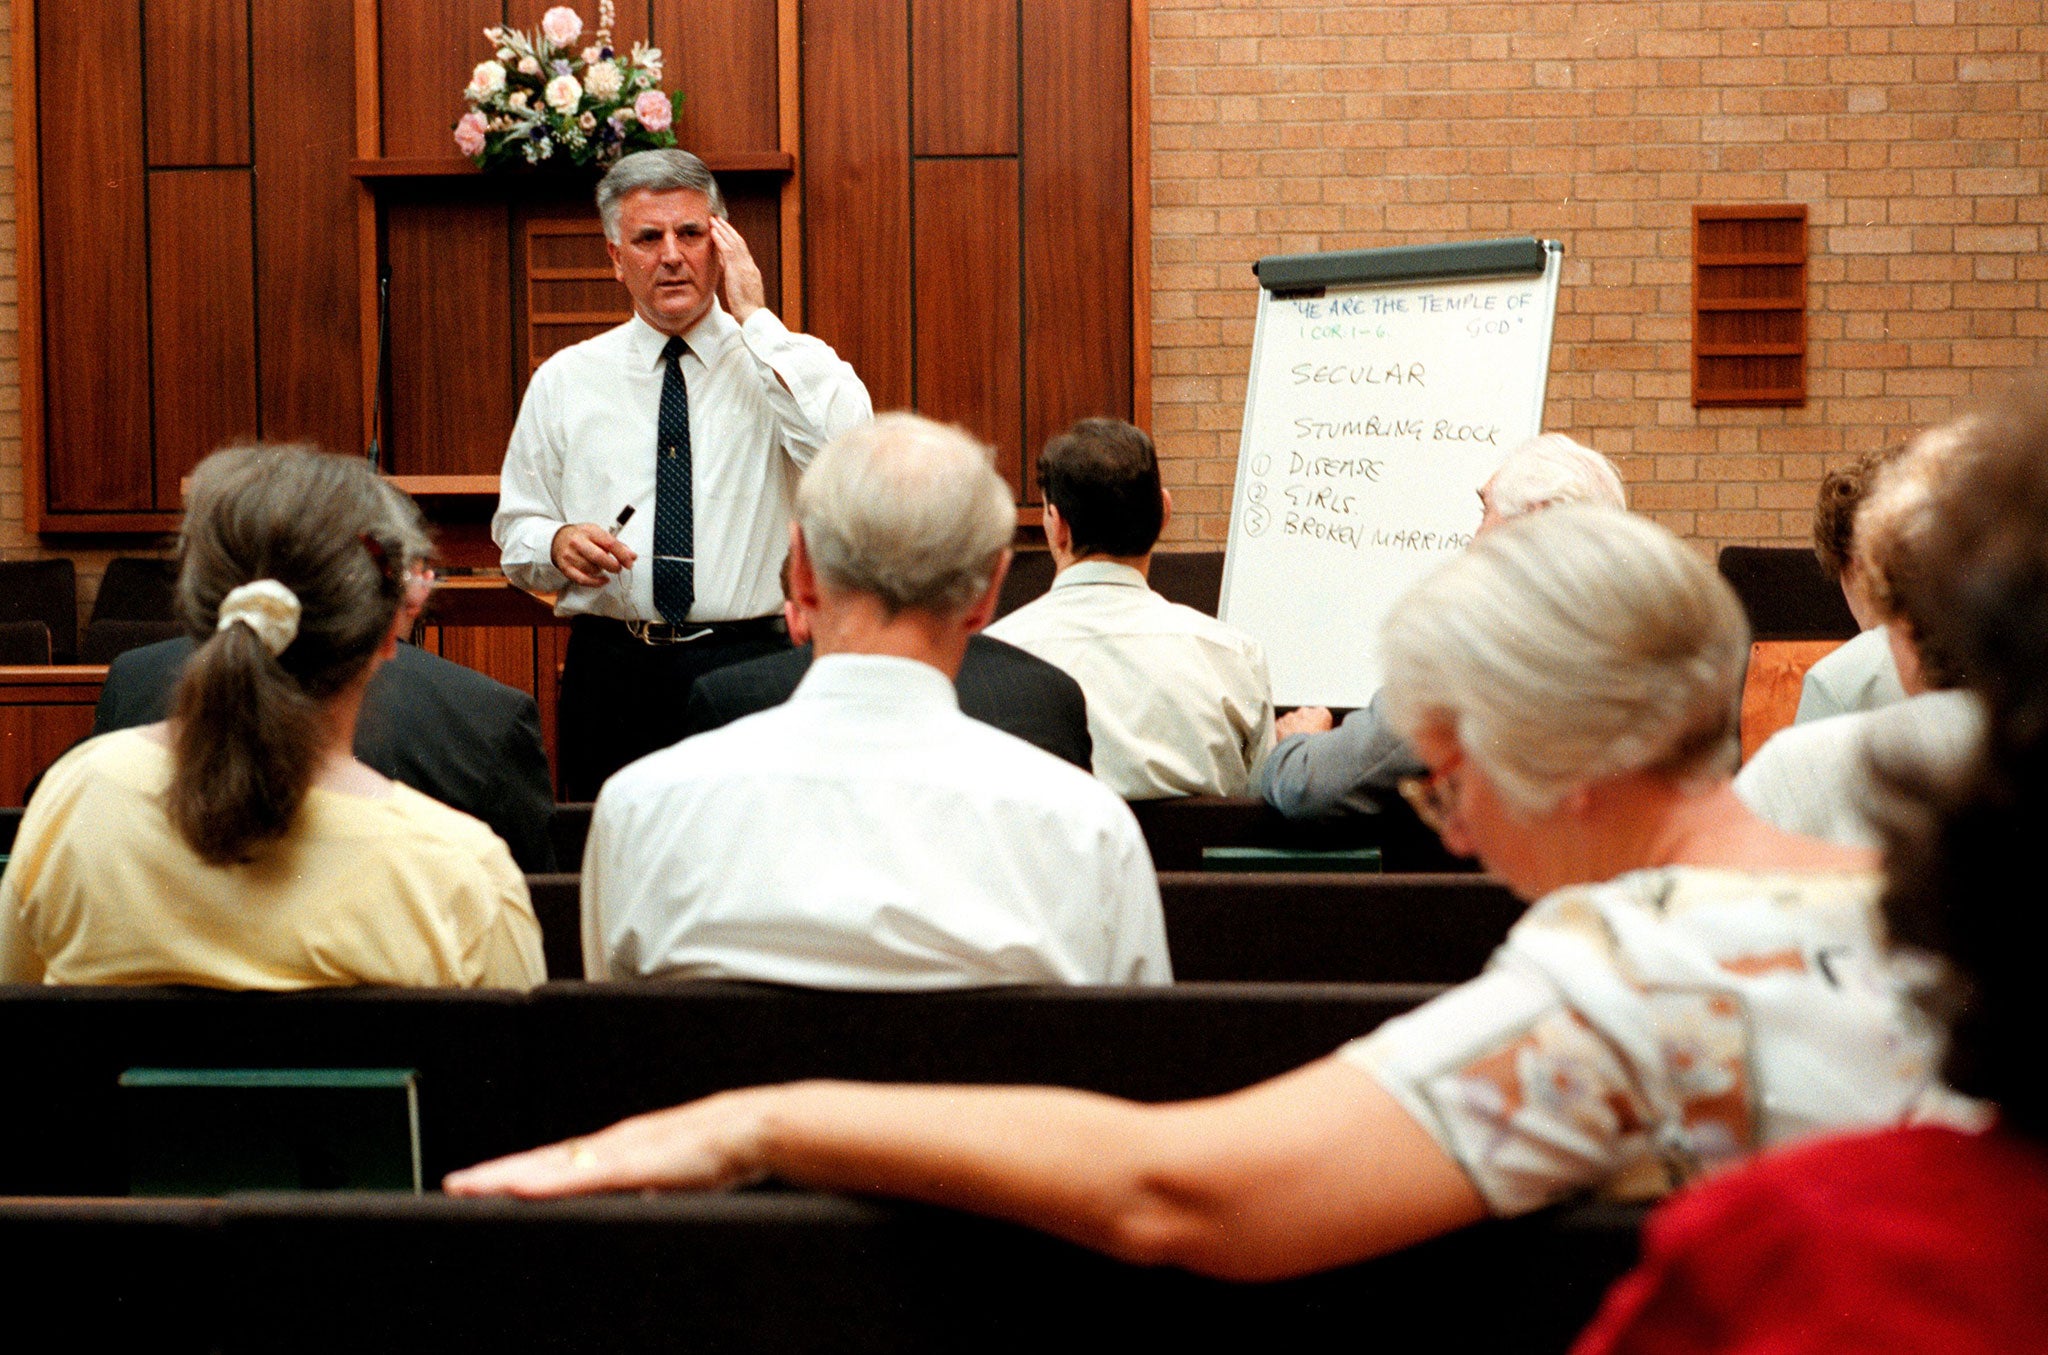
(866, 834)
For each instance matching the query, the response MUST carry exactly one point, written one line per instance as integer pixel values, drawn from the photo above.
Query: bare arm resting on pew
(1309, 1170)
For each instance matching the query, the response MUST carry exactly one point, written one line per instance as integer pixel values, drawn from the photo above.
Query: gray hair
(1570, 646)
(1551, 469)
(662, 171)
(909, 511)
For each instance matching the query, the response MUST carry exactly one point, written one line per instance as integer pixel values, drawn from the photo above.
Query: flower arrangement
(539, 101)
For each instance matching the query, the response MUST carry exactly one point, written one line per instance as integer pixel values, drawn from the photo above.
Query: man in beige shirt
(1178, 702)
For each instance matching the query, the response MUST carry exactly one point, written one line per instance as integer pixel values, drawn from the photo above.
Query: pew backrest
(1278, 928)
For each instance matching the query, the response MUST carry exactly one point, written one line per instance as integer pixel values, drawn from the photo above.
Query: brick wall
(1912, 129)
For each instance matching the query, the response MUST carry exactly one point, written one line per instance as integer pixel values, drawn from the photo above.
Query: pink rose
(561, 25)
(654, 110)
(469, 133)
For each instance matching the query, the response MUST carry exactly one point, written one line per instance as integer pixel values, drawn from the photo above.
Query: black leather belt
(662, 633)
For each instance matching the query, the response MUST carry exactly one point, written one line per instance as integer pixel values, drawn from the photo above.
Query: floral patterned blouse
(1631, 1035)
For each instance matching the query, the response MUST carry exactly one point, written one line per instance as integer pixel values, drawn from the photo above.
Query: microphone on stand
(376, 451)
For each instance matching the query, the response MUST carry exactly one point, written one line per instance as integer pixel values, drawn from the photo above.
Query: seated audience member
(998, 684)
(1178, 702)
(1570, 683)
(241, 845)
(1816, 777)
(445, 730)
(1922, 1241)
(1316, 771)
(1861, 674)
(866, 833)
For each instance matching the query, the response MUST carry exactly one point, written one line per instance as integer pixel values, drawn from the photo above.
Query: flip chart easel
(1386, 385)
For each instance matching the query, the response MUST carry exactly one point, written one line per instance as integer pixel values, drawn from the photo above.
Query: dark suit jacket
(999, 684)
(445, 730)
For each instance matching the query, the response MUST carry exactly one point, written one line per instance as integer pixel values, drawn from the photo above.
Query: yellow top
(394, 889)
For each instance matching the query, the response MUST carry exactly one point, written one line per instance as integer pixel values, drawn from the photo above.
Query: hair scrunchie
(266, 607)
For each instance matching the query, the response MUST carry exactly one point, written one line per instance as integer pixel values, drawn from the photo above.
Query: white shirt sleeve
(1138, 951)
(529, 493)
(816, 395)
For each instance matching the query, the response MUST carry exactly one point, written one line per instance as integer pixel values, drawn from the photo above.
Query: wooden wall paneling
(566, 291)
(1076, 215)
(197, 54)
(43, 711)
(501, 652)
(96, 380)
(427, 50)
(550, 647)
(856, 187)
(452, 397)
(28, 214)
(790, 196)
(753, 203)
(308, 327)
(970, 316)
(1141, 214)
(202, 318)
(964, 76)
(723, 55)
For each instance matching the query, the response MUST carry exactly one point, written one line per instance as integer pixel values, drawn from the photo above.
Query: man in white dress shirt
(697, 415)
(1178, 702)
(866, 834)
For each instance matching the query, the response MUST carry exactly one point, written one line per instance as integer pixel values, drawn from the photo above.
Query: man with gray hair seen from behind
(684, 429)
(866, 834)
(1317, 771)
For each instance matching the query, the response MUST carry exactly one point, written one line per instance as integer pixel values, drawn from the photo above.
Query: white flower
(563, 94)
(587, 122)
(649, 58)
(528, 66)
(604, 80)
(518, 100)
(592, 53)
(487, 79)
(562, 25)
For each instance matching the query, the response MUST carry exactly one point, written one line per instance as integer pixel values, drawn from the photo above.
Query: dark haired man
(1178, 702)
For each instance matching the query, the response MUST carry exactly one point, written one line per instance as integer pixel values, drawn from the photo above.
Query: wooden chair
(1770, 686)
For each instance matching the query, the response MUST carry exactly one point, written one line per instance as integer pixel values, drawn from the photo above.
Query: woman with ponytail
(240, 844)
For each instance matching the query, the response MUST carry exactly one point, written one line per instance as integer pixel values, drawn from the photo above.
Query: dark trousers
(622, 698)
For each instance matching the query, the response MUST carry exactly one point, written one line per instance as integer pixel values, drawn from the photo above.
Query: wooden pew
(1281, 928)
(600, 1051)
(1177, 830)
(61, 1050)
(500, 1071)
(1262, 928)
(762, 1270)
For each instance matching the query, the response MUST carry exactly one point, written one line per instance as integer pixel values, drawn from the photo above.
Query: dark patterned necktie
(675, 570)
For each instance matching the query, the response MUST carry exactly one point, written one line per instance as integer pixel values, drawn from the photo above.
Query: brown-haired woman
(240, 844)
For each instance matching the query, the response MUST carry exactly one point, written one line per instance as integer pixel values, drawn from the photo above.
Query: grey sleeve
(1309, 776)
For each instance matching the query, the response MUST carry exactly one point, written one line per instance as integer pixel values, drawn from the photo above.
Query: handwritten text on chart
(1352, 318)
(1411, 303)
(1358, 536)
(1412, 430)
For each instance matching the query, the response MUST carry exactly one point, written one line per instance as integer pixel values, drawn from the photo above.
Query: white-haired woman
(240, 844)
(1693, 984)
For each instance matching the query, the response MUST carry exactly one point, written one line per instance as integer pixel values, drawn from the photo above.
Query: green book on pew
(209, 1131)
(1343, 860)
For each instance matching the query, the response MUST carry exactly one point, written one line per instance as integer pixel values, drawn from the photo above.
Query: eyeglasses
(1434, 798)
